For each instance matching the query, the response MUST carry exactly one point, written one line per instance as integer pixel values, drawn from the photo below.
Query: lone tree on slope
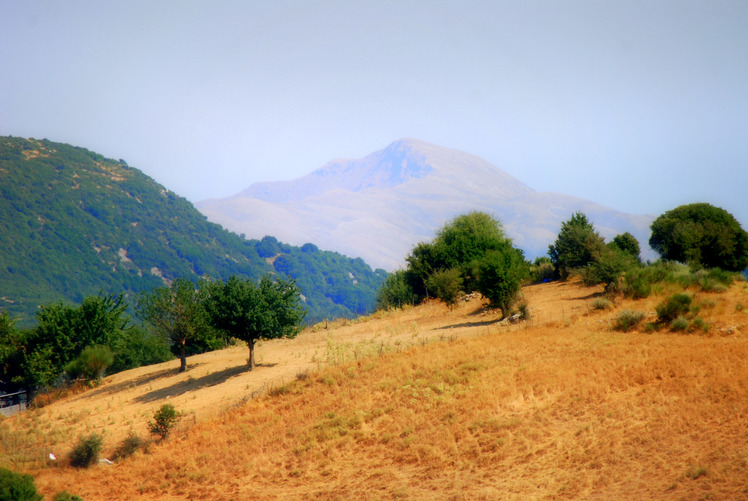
(701, 235)
(251, 311)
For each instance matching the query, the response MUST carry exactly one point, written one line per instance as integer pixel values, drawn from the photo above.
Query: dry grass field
(428, 403)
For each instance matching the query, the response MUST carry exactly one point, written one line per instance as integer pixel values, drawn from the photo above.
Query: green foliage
(679, 324)
(75, 223)
(17, 487)
(164, 420)
(576, 246)
(66, 496)
(91, 363)
(627, 243)
(332, 284)
(541, 270)
(608, 267)
(177, 313)
(671, 308)
(128, 446)
(41, 354)
(86, 451)
(701, 235)
(499, 277)
(251, 311)
(463, 245)
(138, 346)
(445, 285)
(395, 292)
(627, 320)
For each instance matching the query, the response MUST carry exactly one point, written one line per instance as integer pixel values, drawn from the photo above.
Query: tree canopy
(469, 253)
(177, 313)
(576, 246)
(701, 235)
(250, 311)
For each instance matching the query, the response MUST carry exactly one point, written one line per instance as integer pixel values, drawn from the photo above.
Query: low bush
(699, 324)
(675, 306)
(129, 446)
(164, 420)
(66, 496)
(628, 320)
(680, 324)
(86, 451)
(17, 487)
(601, 303)
(91, 363)
(541, 270)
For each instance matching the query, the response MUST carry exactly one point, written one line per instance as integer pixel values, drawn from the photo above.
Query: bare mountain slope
(379, 206)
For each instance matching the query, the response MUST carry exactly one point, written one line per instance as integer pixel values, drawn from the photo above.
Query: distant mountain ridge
(74, 224)
(379, 206)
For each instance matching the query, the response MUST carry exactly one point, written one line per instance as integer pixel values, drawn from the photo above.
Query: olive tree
(250, 311)
(177, 313)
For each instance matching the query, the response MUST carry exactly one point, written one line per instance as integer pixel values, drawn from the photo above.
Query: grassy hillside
(430, 403)
(75, 223)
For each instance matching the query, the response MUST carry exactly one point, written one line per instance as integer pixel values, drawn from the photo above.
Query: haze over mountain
(378, 207)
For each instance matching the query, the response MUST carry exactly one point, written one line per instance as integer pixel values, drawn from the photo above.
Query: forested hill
(74, 223)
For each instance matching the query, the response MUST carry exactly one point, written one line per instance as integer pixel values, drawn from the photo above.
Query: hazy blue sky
(639, 105)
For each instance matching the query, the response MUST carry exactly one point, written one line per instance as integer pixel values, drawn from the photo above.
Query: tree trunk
(183, 357)
(251, 360)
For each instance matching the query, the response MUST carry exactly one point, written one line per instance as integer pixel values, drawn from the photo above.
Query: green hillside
(74, 223)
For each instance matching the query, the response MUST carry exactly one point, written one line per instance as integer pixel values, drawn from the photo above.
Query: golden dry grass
(431, 403)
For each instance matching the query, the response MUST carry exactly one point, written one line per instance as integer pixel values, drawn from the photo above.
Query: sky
(641, 105)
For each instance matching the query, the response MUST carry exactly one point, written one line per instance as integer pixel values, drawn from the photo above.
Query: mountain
(380, 206)
(74, 223)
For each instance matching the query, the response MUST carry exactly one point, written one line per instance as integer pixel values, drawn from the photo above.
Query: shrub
(91, 363)
(17, 487)
(627, 320)
(608, 266)
(129, 445)
(680, 324)
(678, 304)
(445, 285)
(698, 323)
(601, 303)
(86, 451)
(541, 270)
(396, 292)
(164, 420)
(66, 496)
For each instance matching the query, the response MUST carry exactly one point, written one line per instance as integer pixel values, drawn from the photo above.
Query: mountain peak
(397, 165)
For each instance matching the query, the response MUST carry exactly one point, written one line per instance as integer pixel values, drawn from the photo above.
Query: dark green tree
(499, 277)
(576, 245)
(701, 235)
(250, 311)
(627, 243)
(177, 313)
(459, 245)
